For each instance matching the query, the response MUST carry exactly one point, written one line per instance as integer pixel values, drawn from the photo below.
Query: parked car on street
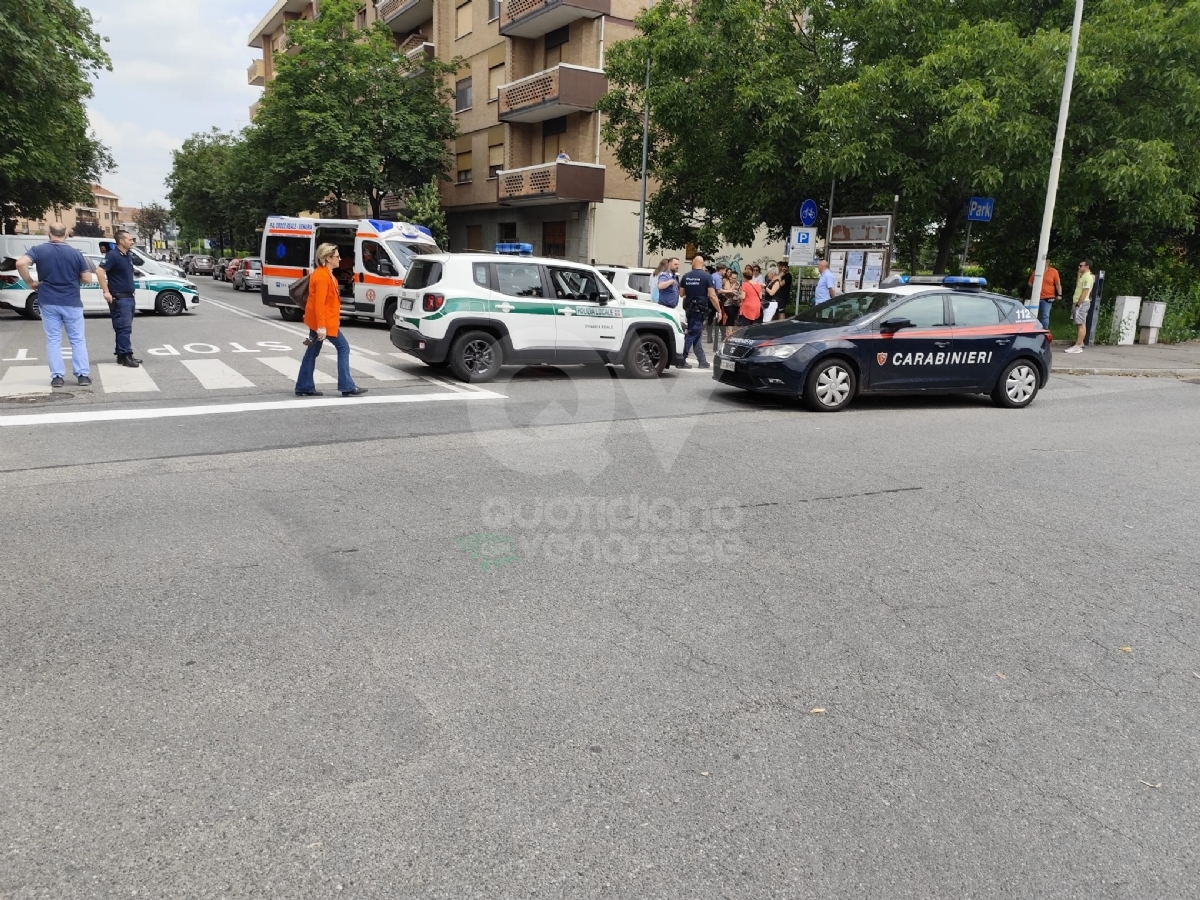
(218, 272)
(156, 293)
(247, 276)
(201, 265)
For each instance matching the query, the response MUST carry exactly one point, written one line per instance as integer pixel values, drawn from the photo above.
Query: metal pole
(645, 153)
(1039, 272)
(829, 221)
(967, 247)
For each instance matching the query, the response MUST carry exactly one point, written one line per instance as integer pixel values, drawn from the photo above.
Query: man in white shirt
(826, 283)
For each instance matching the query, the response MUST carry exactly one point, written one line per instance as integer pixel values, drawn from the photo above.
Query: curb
(1134, 373)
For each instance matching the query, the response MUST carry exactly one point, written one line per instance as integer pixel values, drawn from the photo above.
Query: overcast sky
(179, 66)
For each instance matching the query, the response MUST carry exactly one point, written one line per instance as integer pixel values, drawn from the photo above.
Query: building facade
(529, 164)
(103, 210)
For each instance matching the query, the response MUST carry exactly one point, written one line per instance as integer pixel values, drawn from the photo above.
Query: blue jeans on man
(55, 320)
(304, 382)
(694, 337)
(1044, 307)
(121, 311)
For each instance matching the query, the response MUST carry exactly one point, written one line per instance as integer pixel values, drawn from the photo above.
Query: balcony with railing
(417, 50)
(552, 93)
(256, 73)
(533, 18)
(550, 183)
(404, 15)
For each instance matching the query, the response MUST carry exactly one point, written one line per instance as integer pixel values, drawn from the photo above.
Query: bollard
(1125, 317)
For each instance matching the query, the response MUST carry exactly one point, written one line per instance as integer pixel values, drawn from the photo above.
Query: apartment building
(102, 210)
(530, 165)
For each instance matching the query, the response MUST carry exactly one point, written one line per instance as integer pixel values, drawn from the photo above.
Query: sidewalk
(1164, 360)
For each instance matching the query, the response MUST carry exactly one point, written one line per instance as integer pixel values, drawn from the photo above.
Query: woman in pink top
(751, 307)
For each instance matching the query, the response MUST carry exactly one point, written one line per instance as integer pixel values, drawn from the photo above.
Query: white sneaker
(1073, 349)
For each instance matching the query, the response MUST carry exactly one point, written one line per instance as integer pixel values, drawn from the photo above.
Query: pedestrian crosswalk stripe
(285, 365)
(121, 380)
(20, 381)
(216, 375)
(377, 370)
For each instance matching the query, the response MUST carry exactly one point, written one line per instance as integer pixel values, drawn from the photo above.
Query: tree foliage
(48, 52)
(87, 228)
(196, 183)
(151, 220)
(348, 117)
(756, 104)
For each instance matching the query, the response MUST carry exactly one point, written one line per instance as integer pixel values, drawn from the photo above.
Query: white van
(375, 258)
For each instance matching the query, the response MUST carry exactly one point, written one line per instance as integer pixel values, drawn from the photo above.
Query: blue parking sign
(979, 209)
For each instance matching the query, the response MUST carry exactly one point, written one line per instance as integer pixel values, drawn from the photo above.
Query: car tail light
(8, 279)
(433, 302)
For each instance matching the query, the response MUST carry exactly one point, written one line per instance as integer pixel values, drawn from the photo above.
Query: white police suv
(476, 312)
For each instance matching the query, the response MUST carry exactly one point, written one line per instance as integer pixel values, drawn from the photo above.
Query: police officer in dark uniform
(116, 281)
(699, 296)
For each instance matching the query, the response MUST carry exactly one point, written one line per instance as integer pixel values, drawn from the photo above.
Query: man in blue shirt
(668, 287)
(61, 270)
(698, 296)
(116, 281)
(826, 283)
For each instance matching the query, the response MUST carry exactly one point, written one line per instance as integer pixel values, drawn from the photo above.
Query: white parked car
(633, 284)
(476, 312)
(152, 293)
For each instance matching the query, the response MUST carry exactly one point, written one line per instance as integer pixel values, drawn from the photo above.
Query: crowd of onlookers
(747, 295)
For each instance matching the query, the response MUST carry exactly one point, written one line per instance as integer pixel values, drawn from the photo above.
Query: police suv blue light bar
(965, 279)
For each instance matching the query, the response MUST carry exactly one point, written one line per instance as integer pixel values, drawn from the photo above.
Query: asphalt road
(581, 636)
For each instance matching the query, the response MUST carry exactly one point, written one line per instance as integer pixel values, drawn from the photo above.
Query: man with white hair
(61, 269)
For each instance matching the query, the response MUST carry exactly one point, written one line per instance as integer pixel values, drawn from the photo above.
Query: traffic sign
(802, 248)
(808, 213)
(980, 209)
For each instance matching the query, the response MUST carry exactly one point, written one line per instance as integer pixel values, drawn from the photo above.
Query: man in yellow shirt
(1081, 304)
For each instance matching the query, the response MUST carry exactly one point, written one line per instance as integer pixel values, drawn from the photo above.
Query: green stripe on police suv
(540, 307)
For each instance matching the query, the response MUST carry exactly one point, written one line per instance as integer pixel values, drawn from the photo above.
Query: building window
(553, 138)
(554, 238)
(360, 19)
(495, 159)
(554, 44)
(495, 79)
(463, 165)
(462, 19)
(493, 10)
(474, 237)
(462, 95)
(508, 232)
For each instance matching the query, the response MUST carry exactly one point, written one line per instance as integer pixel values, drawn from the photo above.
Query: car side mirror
(385, 268)
(891, 326)
(597, 297)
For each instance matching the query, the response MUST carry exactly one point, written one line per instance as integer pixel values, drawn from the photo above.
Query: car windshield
(847, 308)
(405, 251)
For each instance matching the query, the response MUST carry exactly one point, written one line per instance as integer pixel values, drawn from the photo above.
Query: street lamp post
(645, 153)
(1039, 272)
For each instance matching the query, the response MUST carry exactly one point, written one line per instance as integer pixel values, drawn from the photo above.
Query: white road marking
(20, 381)
(378, 370)
(118, 415)
(285, 365)
(121, 380)
(216, 375)
(22, 356)
(288, 328)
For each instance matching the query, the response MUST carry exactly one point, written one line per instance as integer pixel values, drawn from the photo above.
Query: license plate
(728, 365)
(406, 303)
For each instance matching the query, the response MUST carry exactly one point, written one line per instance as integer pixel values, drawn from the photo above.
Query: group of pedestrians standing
(61, 271)
(721, 297)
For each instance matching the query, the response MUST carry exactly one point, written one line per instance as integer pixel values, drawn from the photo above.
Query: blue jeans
(121, 311)
(54, 320)
(694, 337)
(304, 382)
(1044, 313)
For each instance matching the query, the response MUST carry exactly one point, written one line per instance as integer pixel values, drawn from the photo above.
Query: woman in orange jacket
(322, 312)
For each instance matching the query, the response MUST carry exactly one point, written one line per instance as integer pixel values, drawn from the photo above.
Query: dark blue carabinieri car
(928, 334)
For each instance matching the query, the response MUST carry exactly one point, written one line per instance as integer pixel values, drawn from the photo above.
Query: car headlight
(778, 351)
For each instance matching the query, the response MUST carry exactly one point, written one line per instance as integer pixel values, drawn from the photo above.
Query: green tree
(934, 100)
(151, 220)
(425, 208)
(48, 52)
(347, 118)
(196, 183)
(87, 228)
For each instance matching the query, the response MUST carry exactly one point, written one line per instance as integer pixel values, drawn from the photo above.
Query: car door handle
(1003, 341)
(941, 343)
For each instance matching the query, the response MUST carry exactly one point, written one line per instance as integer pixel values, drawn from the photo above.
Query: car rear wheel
(291, 313)
(32, 310)
(646, 356)
(170, 303)
(476, 357)
(1018, 385)
(830, 385)
(389, 314)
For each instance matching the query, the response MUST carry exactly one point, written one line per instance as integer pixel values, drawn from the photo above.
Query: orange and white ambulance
(375, 258)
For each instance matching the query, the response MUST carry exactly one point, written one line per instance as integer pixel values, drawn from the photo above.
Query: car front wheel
(170, 303)
(646, 356)
(291, 313)
(830, 385)
(1018, 385)
(476, 357)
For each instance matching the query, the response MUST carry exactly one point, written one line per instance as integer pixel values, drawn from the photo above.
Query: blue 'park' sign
(980, 209)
